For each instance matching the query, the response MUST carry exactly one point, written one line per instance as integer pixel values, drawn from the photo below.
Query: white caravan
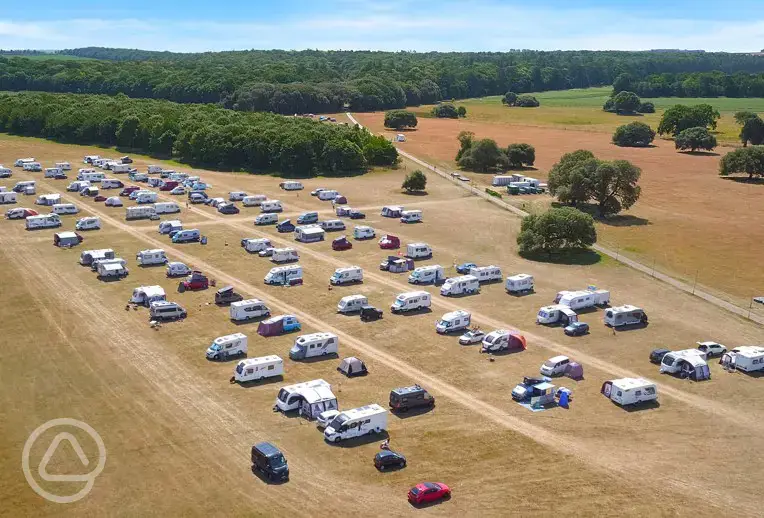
(291, 397)
(236, 195)
(88, 159)
(487, 273)
(111, 269)
(112, 260)
(284, 275)
(64, 208)
(146, 197)
(111, 183)
(351, 303)
(21, 161)
(5, 172)
(309, 233)
(168, 227)
(146, 212)
(629, 391)
(347, 275)
(583, 299)
(671, 362)
(284, 255)
(271, 206)
(331, 225)
(291, 185)
(520, 283)
(418, 251)
(52, 172)
(356, 422)
(556, 313)
(43, 221)
(747, 358)
(253, 200)
(411, 216)
(453, 322)
(363, 232)
(88, 223)
(145, 295)
(244, 310)
(624, 316)
(431, 274)
(411, 301)
(314, 344)
(117, 168)
(223, 347)
(255, 245)
(462, 285)
(150, 257)
(88, 256)
(48, 199)
(90, 176)
(266, 219)
(166, 207)
(327, 194)
(255, 369)
(8, 197)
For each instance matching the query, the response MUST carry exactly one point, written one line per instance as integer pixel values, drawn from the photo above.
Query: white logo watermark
(87, 478)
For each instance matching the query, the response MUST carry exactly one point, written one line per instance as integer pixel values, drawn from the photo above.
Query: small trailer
(454, 321)
(624, 316)
(64, 208)
(629, 391)
(487, 273)
(88, 256)
(392, 211)
(271, 206)
(309, 233)
(332, 225)
(145, 295)
(66, 239)
(256, 245)
(502, 340)
(278, 325)
(314, 344)
(347, 275)
(291, 185)
(431, 274)
(520, 283)
(284, 276)
(223, 347)
(356, 422)
(351, 303)
(256, 369)
(462, 285)
(418, 251)
(249, 309)
(411, 301)
(556, 314)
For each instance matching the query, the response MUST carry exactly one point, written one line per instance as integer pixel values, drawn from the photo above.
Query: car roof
(431, 485)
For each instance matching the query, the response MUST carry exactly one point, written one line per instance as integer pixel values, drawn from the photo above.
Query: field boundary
(686, 287)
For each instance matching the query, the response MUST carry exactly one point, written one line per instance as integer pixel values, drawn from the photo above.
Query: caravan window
(650, 390)
(250, 371)
(619, 393)
(271, 367)
(638, 393)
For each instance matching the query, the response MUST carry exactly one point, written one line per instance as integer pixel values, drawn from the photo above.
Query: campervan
(747, 358)
(314, 344)
(327, 194)
(249, 309)
(625, 315)
(356, 422)
(32, 167)
(411, 216)
(487, 273)
(266, 219)
(291, 185)
(271, 206)
(8, 197)
(111, 269)
(462, 285)
(89, 191)
(351, 303)
(347, 275)
(146, 212)
(88, 256)
(48, 199)
(145, 295)
(52, 172)
(21, 161)
(150, 257)
(363, 232)
(223, 347)
(629, 391)
(89, 175)
(24, 187)
(170, 227)
(431, 274)
(253, 200)
(418, 251)
(120, 168)
(164, 310)
(186, 236)
(392, 211)
(284, 255)
(583, 299)
(43, 221)
(555, 366)
(501, 340)
(178, 269)
(255, 369)
(256, 245)
(64, 208)
(520, 283)
(88, 223)
(556, 313)
(111, 183)
(453, 321)
(309, 233)
(146, 197)
(331, 225)
(284, 275)
(411, 301)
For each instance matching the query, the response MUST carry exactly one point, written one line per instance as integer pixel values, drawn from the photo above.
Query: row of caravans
(151, 211)
(405, 216)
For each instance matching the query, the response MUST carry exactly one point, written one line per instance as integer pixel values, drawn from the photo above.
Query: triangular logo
(75, 445)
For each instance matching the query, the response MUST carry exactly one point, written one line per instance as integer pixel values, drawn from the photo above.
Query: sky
(392, 25)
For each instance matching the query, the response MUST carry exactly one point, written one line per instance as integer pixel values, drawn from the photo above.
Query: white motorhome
(147, 197)
(117, 168)
(392, 211)
(747, 358)
(630, 391)
(187, 235)
(166, 207)
(332, 225)
(351, 303)
(21, 161)
(487, 273)
(431, 274)
(89, 175)
(411, 301)
(624, 316)
(256, 245)
(168, 227)
(253, 200)
(418, 251)
(291, 185)
(111, 183)
(223, 347)
(43, 221)
(145, 295)
(309, 233)
(583, 299)
(32, 166)
(520, 283)
(411, 216)
(327, 194)
(244, 310)
(314, 344)
(236, 195)
(271, 206)
(8, 197)
(88, 159)
(111, 269)
(291, 397)
(266, 219)
(356, 422)
(146, 212)
(64, 208)
(88, 223)
(52, 172)
(48, 199)
(462, 285)
(255, 369)
(88, 256)
(284, 275)
(24, 187)
(556, 313)
(284, 255)
(151, 257)
(453, 321)
(363, 232)
(347, 275)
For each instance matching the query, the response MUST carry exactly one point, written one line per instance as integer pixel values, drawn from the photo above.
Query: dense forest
(197, 134)
(698, 84)
(290, 82)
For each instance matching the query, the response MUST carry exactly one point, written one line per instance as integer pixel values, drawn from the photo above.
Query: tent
(516, 341)
(695, 368)
(66, 239)
(271, 326)
(352, 366)
(574, 371)
(316, 400)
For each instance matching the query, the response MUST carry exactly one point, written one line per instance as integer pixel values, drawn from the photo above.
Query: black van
(404, 398)
(270, 461)
(225, 296)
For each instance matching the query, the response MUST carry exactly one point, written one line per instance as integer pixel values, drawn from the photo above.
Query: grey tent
(352, 366)
(574, 371)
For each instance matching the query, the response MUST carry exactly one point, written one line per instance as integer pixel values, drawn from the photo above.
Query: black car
(60, 176)
(228, 208)
(285, 226)
(357, 214)
(657, 355)
(200, 193)
(226, 296)
(269, 460)
(369, 313)
(404, 398)
(389, 459)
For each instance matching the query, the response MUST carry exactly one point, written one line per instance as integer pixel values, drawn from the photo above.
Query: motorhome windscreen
(338, 421)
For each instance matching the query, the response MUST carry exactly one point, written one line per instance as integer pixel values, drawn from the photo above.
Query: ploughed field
(178, 434)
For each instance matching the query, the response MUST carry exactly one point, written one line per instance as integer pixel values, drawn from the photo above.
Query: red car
(99, 198)
(389, 242)
(341, 243)
(127, 190)
(427, 492)
(169, 185)
(196, 281)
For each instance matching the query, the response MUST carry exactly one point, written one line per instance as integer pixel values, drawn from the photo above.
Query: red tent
(517, 341)
(271, 327)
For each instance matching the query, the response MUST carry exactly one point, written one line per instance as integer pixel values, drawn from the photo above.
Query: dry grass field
(178, 434)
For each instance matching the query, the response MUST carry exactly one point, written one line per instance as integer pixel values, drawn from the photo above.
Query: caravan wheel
(337, 440)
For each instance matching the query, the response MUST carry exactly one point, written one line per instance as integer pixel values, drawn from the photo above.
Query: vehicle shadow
(255, 320)
(228, 359)
(753, 374)
(421, 311)
(264, 478)
(360, 441)
(109, 279)
(462, 295)
(505, 352)
(520, 294)
(431, 504)
(259, 383)
(413, 412)
(323, 357)
(630, 327)
(649, 405)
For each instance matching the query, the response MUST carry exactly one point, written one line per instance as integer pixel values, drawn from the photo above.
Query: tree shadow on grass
(744, 179)
(415, 193)
(578, 257)
(699, 153)
(624, 220)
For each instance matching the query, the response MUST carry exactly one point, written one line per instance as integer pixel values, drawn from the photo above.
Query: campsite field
(178, 434)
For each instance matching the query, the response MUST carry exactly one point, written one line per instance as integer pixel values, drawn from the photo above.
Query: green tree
(461, 111)
(752, 131)
(519, 155)
(626, 102)
(445, 111)
(609, 105)
(567, 179)
(398, 119)
(634, 134)
(342, 156)
(742, 116)
(416, 181)
(694, 139)
(681, 117)
(526, 101)
(613, 185)
(465, 141)
(646, 107)
(127, 131)
(509, 98)
(747, 160)
(482, 155)
(557, 230)
(622, 83)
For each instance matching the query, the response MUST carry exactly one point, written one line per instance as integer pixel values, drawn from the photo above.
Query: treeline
(699, 84)
(291, 82)
(197, 134)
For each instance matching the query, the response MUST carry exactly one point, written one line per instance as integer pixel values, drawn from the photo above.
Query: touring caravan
(520, 283)
(363, 232)
(253, 200)
(556, 313)
(583, 299)
(309, 233)
(24, 187)
(431, 274)
(111, 183)
(146, 197)
(223, 347)
(747, 358)
(624, 316)
(266, 219)
(111, 269)
(255, 245)
(453, 321)
(314, 344)
(256, 369)
(284, 255)
(411, 216)
(690, 363)
(356, 422)
(88, 256)
(8, 197)
(392, 211)
(90, 176)
(145, 212)
(43, 221)
(629, 391)
(249, 309)
(291, 397)
(151, 257)
(48, 199)
(462, 285)
(113, 260)
(32, 167)
(333, 225)
(411, 301)
(64, 208)
(169, 227)
(487, 273)
(327, 194)
(145, 295)
(284, 275)
(271, 206)
(418, 251)
(502, 340)
(120, 168)
(77, 185)
(347, 275)
(21, 161)
(351, 303)
(52, 172)
(291, 185)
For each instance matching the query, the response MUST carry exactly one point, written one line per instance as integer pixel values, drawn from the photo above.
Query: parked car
(99, 198)
(426, 492)
(357, 214)
(576, 329)
(178, 190)
(465, 268)
(656, 356)
(285, 226)
(196, 281)
(712, 349)
(473, 336)
(389, 459)
(341, 243)
(369, 313)
(228, 208)
(325, 417)
(316, 191)
(227, 295)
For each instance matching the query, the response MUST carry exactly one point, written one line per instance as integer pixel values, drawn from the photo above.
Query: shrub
(445, 111)
(416, 181)
(634, 134)
(398, 119)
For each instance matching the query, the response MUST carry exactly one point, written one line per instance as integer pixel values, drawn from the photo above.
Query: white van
(418, 251)
(462, 285)
(356, 422)
(166, 207)
(327, 195)
(164, 310)
(555, 366)
(284, 275)
(266, 219)
(331, 225)
(43, 221)
(431, 274)
(146, 212)
(111, 183)
(89, 223)
(314, 344)
(256, 245)
(146, 197)
(64, 166)
(255, 369)
(188, 235)
(236, 195)
(23, 187)
(351, 303)
(453, 322)
(291, 186)
(411, 301)
(487, 273)
(7, 197)
(52, 172)
(347, 275)
(363, 232)
(629, 391)
(625, 315)
(520, 283)
(21, 161)
(223, 347)
(271, 206)
(65, 208)
(32, 167)
(411, 216)
(150, 257)
(253, 200)
(284, 255)
(168, 227)
(244, 310)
